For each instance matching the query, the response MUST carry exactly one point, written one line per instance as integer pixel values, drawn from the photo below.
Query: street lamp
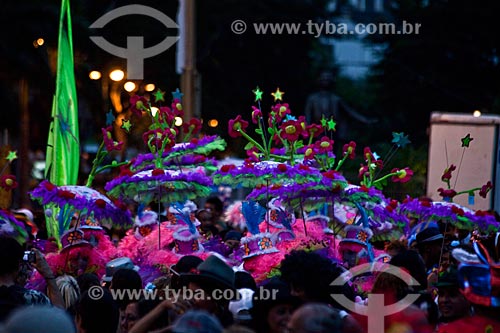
(129, 86)
(95, 75)
(117, 75)
(213, 123)
(149, 87)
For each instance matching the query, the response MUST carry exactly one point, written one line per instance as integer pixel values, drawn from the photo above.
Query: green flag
(63, 146)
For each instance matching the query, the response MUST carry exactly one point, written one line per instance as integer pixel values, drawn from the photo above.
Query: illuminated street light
(213, 123)
(117, 75)
(476, 113)
(95, 75)
(38, 42)
(149, 87)
(129, 86)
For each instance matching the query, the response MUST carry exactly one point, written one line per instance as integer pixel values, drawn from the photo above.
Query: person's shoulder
(473, 324)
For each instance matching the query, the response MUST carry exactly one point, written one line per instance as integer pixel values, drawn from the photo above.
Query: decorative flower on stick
(281, 138)
(163, 133)
(8, 182)
(284, 136)
(322, 153)
(107, 145)
(449, 192)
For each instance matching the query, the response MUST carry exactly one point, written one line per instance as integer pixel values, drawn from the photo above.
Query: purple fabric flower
(252, 174)
(82, 198)
(165, 186)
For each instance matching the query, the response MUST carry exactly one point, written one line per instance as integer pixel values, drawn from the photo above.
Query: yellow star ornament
(278, 95)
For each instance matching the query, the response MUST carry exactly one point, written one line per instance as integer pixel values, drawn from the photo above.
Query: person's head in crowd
(125, 279)
(138, 309)
(70, 291)
(129, 317)
(161, 285)
(113, 266)
(213, 275)
(11, 255)
(197, 321)
(115, 234)
(186, 264)
(97, 314)
(244, 279)
(241, 307)
(38, 319)
(232, 239)
(272, 307)
(87, 280)
(393, 287)
(215, 205)
(395, 247)
(12, 294)
(429, 242)
(451, 302)
(207, 220)
(309, 276)
(413, 317)
(316, 318)
(413, 263)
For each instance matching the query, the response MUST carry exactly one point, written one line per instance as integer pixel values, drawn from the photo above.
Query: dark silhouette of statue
(325, 103)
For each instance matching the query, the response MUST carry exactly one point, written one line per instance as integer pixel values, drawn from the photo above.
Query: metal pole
(24, 163)
(189, 70)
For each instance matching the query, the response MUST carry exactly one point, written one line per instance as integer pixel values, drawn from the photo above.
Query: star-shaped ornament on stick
(278, 95)
(258, 94)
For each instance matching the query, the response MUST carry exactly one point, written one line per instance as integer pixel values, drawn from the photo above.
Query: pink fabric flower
(138, 104)
(350, 150)
(108, 140)
(485, 189)
(324, 146)
(291, 130)
(314, 130)
(447, 173)
(194, 125)
(310, 152)
(8, 182)
(236, 125)
(402, 176)
(447, 194)
(256, 115)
